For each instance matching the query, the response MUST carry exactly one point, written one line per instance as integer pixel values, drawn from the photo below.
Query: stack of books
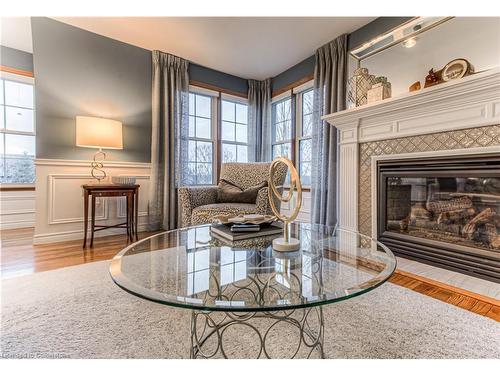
(223, 232)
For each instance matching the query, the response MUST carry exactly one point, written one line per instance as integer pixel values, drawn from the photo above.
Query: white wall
(59, 198)
(476, 39)
(17, 209)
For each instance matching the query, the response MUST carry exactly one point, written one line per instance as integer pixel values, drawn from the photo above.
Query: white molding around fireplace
(470, 102)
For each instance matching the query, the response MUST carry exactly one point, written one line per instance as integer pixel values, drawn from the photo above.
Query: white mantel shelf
(469, 102)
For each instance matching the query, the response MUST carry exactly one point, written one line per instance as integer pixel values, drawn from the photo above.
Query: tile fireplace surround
(444, 143)
(455, 118)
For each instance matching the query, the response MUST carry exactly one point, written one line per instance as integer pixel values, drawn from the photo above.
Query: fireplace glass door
(458, 210)
(436, 204)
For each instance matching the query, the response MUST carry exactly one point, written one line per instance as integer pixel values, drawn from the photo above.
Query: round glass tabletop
(191, 268)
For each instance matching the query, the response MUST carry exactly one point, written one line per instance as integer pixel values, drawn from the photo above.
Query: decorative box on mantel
(379, 91)
(470, 102)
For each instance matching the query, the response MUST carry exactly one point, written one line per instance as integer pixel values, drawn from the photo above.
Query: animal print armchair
(199, 205)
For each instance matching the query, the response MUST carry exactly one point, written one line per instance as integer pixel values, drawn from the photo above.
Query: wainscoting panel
(17, 209)
(66, 199)
(143, 203)
(59, 198)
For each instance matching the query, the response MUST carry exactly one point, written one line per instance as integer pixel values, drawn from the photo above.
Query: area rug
(78, 312)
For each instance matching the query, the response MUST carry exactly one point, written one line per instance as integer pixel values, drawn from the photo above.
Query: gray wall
(296, 72)
(216, 78)
(14, 58)
(81, 73)
(367, 32)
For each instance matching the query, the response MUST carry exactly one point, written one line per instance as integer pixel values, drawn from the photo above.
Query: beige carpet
(78, 312)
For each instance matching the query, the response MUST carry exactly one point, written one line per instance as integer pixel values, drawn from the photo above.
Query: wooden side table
(111, 190)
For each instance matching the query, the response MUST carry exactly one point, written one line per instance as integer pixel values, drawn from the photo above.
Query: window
(292, 120)
(218, 133)
(305, 135)
(17, 131)
(282, 128)
(234, 131)
(201, 140)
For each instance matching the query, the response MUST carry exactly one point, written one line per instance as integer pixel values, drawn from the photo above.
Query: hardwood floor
(20, 257)
(462, 298)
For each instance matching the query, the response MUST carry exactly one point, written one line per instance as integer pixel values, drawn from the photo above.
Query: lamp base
(97, 172)
(280, 244)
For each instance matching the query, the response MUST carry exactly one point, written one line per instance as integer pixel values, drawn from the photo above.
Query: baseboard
(45, 238)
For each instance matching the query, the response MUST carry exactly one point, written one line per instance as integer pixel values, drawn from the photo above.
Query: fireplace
(442, 211)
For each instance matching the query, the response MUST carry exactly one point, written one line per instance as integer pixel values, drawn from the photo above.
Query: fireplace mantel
(470, 102)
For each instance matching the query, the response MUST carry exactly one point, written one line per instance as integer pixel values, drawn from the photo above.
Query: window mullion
(216, 138)
(293, 128)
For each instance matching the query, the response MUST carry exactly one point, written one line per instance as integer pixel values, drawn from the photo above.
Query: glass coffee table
(247, 299)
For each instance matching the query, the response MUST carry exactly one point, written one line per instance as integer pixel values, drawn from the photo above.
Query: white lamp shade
(98, 132)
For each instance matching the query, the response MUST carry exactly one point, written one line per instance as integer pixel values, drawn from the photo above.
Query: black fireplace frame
(472, 261)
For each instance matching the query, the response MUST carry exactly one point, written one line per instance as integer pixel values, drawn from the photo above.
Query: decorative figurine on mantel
(415, 87)
(433, 78)
(285, 243)
(455, 69)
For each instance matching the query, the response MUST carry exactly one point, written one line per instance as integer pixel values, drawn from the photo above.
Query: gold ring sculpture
(286, 243)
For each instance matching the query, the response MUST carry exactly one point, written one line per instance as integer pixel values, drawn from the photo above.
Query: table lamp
(96, 132)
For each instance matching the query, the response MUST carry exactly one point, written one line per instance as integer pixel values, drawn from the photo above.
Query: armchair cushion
(231, 193)
(198, 204)
(205, 214)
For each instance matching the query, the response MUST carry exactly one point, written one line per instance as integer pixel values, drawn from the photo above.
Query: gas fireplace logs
(463, 218)
(456, 215)
(481, 218)
(449, 205)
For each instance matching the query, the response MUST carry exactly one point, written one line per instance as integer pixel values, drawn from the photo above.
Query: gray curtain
(170, 84)
(330, 77)
(259, 119)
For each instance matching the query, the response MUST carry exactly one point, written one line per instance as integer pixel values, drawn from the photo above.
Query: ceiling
(248, 47)
(15, 32)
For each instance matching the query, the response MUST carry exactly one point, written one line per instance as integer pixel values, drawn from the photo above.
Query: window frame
(213, 127)
(274, 102)
(235, 100)
(24, 79)
(300, 126)
(216, 126)
(295, 95)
